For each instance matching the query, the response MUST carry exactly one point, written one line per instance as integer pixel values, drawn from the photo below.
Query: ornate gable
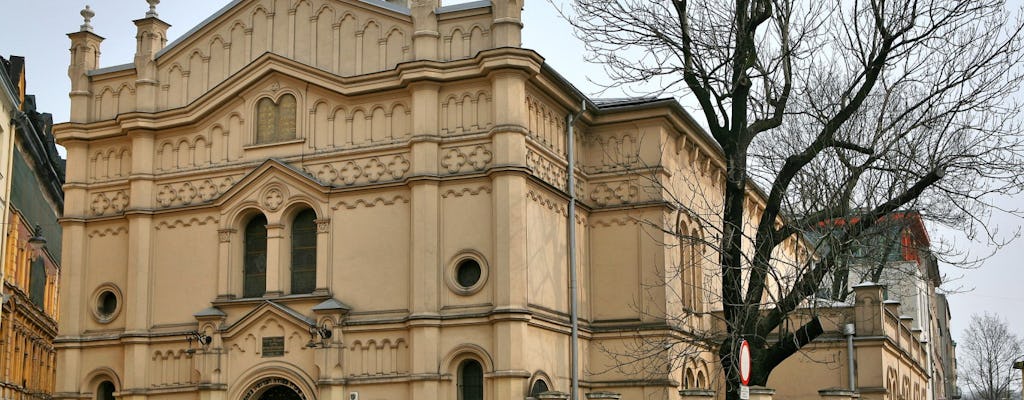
(273, 187)
(340, 37)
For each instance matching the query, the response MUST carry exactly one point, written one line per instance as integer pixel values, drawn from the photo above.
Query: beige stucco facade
(421, 138)
(891, 359)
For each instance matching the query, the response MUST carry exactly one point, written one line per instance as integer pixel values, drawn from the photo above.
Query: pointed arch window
(304, 252)
(539, 386)
(255, 259)
(275, 121)
(471, 380)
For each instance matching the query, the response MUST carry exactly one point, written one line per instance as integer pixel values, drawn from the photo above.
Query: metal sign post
(744, 370)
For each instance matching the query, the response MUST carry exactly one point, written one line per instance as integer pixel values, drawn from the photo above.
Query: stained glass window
(304, 252)
(255, 262)
(275, 122)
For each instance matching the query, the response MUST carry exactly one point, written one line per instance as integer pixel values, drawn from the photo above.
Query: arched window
(304, 252)
(255, 259)
(105, 391)
(539, 386)
(471, 380)
(275, 122)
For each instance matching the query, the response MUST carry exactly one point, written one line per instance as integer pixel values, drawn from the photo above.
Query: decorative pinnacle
(152, 8)
(87, 15)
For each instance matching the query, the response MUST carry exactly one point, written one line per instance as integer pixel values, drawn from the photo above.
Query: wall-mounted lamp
(318, 336)
(37, 241)
(203, 340)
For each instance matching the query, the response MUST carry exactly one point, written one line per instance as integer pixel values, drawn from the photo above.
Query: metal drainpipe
(849, 330)
(571, 228)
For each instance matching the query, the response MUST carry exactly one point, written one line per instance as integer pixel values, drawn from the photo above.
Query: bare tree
(987, 354)
(842, 111)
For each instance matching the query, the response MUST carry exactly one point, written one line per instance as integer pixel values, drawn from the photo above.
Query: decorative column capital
(225, 234)
(323, 225)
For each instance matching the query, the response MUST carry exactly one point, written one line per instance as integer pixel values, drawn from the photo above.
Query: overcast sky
(36, 30)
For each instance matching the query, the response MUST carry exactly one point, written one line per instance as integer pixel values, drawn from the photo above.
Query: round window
(107, 303)
(467, 273)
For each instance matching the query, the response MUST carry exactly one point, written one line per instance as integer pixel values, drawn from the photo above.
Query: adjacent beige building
(327, 199)
(898, 328)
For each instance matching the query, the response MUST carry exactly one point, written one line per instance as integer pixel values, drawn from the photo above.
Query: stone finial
(87, 14)
(152, 8)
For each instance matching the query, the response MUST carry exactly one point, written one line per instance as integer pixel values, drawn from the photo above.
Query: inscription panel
(273, 346)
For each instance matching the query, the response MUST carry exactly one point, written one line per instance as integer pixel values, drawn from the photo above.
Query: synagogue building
(359, 199)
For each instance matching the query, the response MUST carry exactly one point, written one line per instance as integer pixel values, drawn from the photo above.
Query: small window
(275, 122)
(304, 252)
(471, 380)
(468, 273)
(255, 262)
(539, 387)
(107, 304)
(105, 391)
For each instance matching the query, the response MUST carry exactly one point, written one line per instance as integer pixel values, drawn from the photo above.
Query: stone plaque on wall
(273, 346)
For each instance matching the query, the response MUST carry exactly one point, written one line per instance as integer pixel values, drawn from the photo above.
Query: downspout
(571, 228)
(849, 330)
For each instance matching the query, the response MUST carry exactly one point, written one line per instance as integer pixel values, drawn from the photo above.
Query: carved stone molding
(109, 203)
(466, 159)
(323, 225)
(224, 235)
(614, 193)
(192, 192)
(378, 169)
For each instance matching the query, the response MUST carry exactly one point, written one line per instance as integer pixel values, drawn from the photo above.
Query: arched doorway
(280, 393)
(274, 389)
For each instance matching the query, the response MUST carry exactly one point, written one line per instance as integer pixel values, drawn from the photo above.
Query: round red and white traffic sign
(744, 362)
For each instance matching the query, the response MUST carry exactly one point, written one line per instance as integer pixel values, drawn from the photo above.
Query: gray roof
(114, 68)
(464, 6)
(210, 312)
(624, 101)
(331, 305)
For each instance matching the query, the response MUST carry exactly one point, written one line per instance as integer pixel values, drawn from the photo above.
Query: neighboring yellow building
(898, 328)
(891, 361)
(31, 263)
(327, 199)
(10, 104)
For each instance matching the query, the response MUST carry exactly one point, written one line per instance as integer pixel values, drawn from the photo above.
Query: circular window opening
(467, 273)
(107, 303)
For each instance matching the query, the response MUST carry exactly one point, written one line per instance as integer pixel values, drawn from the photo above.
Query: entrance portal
(280, 393)
(274, 389)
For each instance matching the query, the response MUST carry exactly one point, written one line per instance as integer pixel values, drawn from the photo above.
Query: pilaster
(225, 258)
(323, 256)
(275, 235)
(424, 255)
(75, 203)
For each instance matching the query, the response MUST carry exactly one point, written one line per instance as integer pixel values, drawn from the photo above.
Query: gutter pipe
(849, 330)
